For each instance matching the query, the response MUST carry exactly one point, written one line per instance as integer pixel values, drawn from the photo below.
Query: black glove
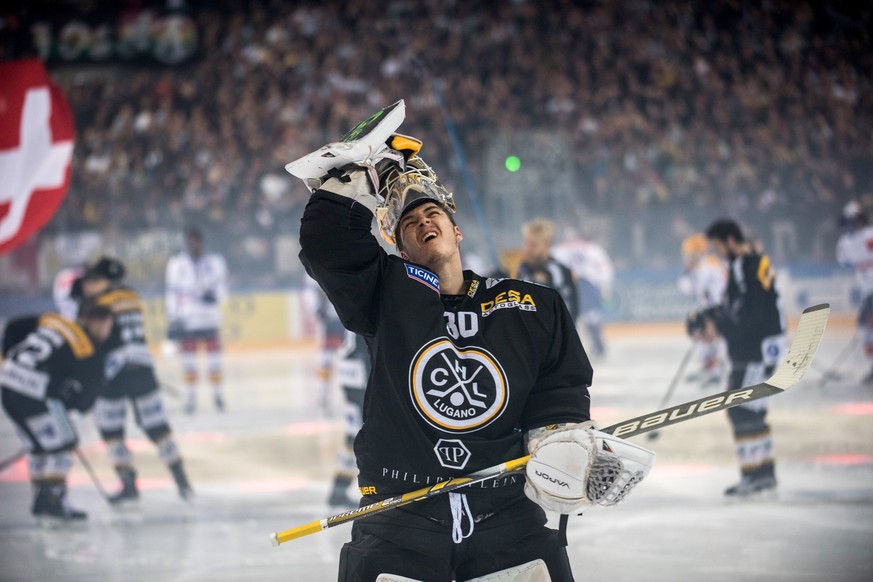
(209, 297)
(72, 393)
(694, 323)
(175, 329)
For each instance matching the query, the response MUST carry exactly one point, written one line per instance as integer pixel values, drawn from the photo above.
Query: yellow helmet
(694, 245)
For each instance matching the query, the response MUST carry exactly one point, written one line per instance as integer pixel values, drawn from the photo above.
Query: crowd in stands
(739, 107)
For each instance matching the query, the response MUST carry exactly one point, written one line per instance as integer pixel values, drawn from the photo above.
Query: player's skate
(365, 142)
(51, 508)
(751, 485)
(129, 492)
(181, 479)
(219, 402)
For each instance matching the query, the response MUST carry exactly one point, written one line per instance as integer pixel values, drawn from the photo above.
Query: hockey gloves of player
(365, 141)
(695, 324)
(209, 297)
(74, 396)
(364, 181)
(576, 465)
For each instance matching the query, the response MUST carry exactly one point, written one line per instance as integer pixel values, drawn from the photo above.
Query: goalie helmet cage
(807, 337)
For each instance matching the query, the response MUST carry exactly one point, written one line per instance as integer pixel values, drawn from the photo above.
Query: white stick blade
(804, 345)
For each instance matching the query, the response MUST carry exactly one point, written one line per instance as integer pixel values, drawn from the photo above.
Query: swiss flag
(36, 150)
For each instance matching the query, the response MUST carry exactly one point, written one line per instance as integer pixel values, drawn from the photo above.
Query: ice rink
(266, 463)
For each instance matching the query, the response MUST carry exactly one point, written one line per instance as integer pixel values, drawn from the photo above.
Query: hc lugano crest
(457, 390)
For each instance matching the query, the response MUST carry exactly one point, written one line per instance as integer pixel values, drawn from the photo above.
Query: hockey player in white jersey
(331, 335)
(66, 291)
(855, 250)
(705, 279)
(196, 287)
(594, 277)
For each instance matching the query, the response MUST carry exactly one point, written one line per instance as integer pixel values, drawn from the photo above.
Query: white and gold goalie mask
(400, 188)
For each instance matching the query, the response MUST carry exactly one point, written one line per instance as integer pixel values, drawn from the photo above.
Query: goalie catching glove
(576, 465)
(377, 168)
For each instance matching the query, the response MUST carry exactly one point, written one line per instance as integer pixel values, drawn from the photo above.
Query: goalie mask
(403, 189)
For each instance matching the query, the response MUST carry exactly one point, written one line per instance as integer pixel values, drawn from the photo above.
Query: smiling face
(427, 236)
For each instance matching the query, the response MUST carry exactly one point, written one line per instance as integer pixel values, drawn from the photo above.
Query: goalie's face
(426, 235)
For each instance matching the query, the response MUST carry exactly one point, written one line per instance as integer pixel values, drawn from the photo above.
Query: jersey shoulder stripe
(74, 335)
(121, 300)
(766, 275)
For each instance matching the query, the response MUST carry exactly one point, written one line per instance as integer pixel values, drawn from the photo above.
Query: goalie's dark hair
(723, 229)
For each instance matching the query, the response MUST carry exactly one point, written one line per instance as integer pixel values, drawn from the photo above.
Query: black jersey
(48, 356)
(127, 358)
(752, 311)
(456, 380)
(556, 275)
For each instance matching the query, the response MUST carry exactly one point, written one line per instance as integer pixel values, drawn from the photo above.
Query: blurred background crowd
(635, 122)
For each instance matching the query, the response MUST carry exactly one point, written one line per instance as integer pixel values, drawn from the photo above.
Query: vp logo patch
(457, 390)
(452, 453)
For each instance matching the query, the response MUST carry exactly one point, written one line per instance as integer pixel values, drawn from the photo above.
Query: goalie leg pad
(535, 571)
(617, 468)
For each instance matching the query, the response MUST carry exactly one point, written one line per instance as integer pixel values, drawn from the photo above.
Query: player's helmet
(107, 267)
(853, 216)
(694, 244)
(404, 189)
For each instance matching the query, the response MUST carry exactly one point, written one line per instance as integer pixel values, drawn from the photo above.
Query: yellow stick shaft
(297, 532)
(405, 499)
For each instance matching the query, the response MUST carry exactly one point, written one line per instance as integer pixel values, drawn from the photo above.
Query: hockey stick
(673, 383)
(12, 460)
(90, 470)
(807, 337)
(170, 389)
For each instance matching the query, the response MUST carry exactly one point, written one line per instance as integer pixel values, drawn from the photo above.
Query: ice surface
(266, 463)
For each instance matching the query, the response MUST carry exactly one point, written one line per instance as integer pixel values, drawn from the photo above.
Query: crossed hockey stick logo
(457, 390)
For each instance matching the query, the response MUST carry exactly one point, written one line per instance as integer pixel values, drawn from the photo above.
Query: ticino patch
(423, 276)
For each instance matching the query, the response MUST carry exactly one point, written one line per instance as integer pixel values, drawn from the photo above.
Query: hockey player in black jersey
(752, 324)
(130, 378)
(467, 372)
(52, 365)
(539, 266)
(352, 371)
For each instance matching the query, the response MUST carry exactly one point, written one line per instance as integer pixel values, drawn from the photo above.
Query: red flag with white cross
(36, 150)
